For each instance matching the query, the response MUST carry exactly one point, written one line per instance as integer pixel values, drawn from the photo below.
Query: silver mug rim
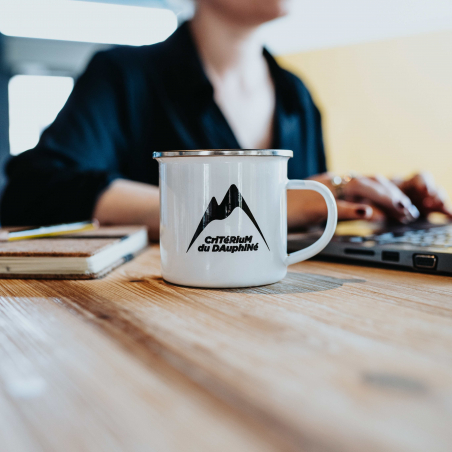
(225, 152)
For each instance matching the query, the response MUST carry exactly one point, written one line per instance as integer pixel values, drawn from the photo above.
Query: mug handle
(331, 221)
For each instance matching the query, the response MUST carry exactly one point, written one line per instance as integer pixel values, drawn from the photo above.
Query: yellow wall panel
(387, 106)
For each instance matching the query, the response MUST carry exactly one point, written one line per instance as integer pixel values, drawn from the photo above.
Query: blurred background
(380, 70)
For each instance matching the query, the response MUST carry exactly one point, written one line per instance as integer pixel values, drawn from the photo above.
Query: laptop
(424, 246)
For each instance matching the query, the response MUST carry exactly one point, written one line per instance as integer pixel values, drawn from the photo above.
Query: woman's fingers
(405, 210)
(424, 184)
(424, 193)
(444, 202)
(353, 211)
(384, 194)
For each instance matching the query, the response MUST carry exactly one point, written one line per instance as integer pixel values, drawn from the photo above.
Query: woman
(210, 85)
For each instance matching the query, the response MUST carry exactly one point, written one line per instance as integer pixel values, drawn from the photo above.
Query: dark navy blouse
(130, 102)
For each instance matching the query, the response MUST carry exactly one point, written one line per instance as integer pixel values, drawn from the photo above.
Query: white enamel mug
(223, 217)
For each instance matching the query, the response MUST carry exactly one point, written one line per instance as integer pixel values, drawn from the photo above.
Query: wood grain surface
(333, 358)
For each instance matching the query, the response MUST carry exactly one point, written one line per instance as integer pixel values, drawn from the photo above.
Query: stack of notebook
(85, 255)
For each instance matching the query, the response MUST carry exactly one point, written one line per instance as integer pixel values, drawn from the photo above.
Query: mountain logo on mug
(215, 211)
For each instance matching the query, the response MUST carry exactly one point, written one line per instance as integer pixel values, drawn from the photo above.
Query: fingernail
(361, 212)
(364, 212)
(414, 211)
(407, 215)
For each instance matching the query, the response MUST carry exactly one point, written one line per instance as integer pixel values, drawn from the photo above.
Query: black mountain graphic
(231, 200)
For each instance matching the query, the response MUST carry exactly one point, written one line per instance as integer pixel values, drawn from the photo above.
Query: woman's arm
(77, 157)
(128, 202)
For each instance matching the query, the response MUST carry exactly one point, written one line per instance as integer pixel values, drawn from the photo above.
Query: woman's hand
(425, 195)
(368, 198)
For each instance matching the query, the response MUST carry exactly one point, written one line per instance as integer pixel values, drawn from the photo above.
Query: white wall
(312, 24)
(317, 24)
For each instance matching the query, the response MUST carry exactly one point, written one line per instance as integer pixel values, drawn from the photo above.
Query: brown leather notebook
(85, 255)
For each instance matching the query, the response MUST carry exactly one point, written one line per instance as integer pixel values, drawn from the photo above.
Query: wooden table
(334, 358)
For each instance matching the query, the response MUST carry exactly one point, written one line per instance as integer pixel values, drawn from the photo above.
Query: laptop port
(390, 256)
(425, 261)
(359, 251)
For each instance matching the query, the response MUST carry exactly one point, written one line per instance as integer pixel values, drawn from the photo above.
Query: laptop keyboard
(440, 236)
